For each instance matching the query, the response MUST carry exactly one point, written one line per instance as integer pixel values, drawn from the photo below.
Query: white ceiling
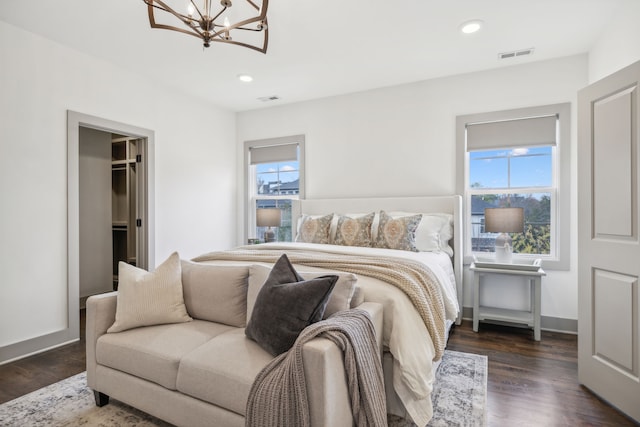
(320, 48)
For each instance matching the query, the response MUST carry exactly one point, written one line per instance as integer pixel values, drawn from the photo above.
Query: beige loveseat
(199, 373)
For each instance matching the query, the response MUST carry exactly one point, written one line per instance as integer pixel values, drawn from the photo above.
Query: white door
(608, 242)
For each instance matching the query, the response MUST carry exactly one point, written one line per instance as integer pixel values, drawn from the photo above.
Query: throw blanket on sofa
(415, 279)
(278, 397)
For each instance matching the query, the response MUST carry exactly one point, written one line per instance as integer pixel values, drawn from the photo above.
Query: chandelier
(244, 24)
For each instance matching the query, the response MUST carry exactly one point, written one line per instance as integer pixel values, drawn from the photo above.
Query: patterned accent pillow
(315, 230)
(398, 233)
(354, 231)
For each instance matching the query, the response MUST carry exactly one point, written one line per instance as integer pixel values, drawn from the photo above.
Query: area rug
(459, 399)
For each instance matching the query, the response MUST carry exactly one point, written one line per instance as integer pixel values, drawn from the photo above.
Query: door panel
(609, 251)
(613, 314)
(612, 164)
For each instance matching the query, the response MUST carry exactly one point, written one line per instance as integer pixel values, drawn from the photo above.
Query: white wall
(619, 44)
(194, 177)
(401, 140)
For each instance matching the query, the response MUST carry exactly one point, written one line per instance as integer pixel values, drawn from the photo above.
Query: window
(517, 158)
(275, 177)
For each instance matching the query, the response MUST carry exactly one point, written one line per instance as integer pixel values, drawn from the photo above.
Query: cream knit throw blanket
(414, 278)
(278, 397)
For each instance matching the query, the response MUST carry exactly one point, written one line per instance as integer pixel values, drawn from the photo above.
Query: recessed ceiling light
(470, 27)
(245, 78)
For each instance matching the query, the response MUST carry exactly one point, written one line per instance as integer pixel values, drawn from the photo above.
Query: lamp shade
(504, 220)
(268, 217)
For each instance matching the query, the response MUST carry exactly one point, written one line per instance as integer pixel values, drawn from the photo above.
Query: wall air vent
(515, 53)
(269, 98)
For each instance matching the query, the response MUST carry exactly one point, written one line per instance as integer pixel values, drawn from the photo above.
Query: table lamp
(503, 221)
(269, 217)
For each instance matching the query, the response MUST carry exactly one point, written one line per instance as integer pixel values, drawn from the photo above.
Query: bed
(414, 334)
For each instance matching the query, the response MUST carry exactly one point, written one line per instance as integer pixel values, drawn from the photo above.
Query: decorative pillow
(354, 231)
(286, 305)
(146, 299)
(440, 225)
(342, 296)
(433, 233)
(217, 293)
(315, 230)
(398, 233)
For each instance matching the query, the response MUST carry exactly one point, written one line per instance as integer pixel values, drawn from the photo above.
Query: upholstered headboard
(429, 204)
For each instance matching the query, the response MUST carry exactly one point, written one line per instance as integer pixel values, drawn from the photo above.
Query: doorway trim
(75, 120)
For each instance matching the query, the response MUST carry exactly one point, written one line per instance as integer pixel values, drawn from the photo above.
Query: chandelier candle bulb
(227, 24)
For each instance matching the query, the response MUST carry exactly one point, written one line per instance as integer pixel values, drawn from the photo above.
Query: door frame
(146, 185)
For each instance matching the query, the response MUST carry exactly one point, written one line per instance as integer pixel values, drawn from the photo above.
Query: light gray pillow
(217, 293)
(357, 298)
(146, 299)
(341, 298)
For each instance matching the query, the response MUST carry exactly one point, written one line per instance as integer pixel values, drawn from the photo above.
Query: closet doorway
(110, 186)
(110, 212)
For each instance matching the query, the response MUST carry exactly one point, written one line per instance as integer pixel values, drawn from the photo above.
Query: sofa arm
(101, 313)
(327, 392)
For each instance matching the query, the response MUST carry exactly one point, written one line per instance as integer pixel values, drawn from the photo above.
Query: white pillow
(434, 231)
(146, 299)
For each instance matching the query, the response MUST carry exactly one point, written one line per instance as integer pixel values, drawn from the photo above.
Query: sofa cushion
(222, 371)
(341, 297)
(216, 292)
(146, 298)
(154, 352)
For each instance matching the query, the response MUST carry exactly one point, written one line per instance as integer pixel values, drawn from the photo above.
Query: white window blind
(274, 153)
(528, 132)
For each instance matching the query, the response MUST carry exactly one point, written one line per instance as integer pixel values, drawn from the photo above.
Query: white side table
(530, 318)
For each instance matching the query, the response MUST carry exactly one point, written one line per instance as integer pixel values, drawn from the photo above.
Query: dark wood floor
(534, 383)
(530, 383)
(34, 372)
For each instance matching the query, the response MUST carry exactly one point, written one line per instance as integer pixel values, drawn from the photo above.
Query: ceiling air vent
(269, 98)
(513, 54)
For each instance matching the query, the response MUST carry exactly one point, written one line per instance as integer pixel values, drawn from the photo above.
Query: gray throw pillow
(285, 305)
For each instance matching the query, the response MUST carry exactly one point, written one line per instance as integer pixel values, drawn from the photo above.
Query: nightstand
(532, 272)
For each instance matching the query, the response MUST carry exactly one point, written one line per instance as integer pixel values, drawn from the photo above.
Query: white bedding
(404, 333)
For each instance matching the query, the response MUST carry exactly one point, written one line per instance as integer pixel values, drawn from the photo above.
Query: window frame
(559, 258)
(251, 197)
